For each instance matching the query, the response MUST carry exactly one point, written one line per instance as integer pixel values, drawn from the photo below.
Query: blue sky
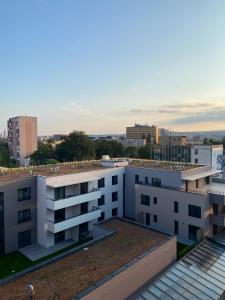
(99, 65)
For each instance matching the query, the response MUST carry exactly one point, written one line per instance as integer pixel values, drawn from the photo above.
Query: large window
(175, 207)
(114, 180)
(156, 181)
(2, 239)
(101, 201)
(114, 212)
(114, 196)
(59, 215)
(194, 211)
(102, 218)
(60, 193)
(24, 194)
(192, 232)
(24, 215)
(24, 239)
(101, 183)
(59, 237)
(145, 200)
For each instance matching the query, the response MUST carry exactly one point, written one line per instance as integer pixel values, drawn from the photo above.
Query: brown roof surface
(75, 272)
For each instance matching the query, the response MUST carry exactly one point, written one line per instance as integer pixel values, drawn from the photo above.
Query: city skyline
(77, 66)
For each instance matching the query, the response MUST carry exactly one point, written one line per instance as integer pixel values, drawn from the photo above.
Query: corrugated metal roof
(198, 275)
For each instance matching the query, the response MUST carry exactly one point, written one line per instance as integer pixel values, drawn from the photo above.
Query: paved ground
(77, 271)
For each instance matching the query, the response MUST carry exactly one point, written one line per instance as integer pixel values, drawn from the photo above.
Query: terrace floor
(76, 272)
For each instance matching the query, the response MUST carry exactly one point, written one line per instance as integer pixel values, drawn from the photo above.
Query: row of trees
(4, 155)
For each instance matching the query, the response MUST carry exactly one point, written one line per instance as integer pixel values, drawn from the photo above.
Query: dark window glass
(146, 179)
(155, 218)
(59, 237)
(145, 200)
(2, 238)
(114, 196)
(196, 161)
(101, 201)
(136, 179)
(114, 212)
(102, 218)
(192, 232)
(114, 180)
(84, 188)
(24, 194)
(83, 228)
(197, 184)
(24, 215)
(156, 181)
(175, 205)
(60, 193)
(24, 239)
(207, 180)
(59, 215)
(147, 219)
(84, 208)
(155, 200)
(101, 183)
(176, 227)
(194, 211)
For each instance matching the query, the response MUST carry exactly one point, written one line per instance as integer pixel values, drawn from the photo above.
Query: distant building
(164, 132)
(22, 138)
(143, 132)
(173, 140)
(135, 142)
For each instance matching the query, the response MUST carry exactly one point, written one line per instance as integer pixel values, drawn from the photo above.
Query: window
(84, 188)
(146, 179)
(101, 201)
(145, 200)
(60, 193)
(102, 218)
(83, 228)
(24, 215)
(59, 237)
(155, 200)
(2, 237)
(207, 180)
(147, 219)
(59, 215)
(155, 218)
(197, 184)
(24, 194)
(156, 181)
(101, 183)
(114, 212)
(175, 207)
(196, 161)
(194, 211)
(192, 232)
(114, 196)
(196, 151)
(136, 179)
(24, 239)
(176, 227)
(114, 180)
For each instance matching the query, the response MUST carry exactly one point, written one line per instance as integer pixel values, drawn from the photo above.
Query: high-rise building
(143, 132)
(22, 137)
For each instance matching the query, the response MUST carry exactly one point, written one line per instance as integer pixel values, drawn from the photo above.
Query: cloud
(209, 116)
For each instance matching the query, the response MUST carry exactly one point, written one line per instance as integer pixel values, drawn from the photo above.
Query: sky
(102, 65)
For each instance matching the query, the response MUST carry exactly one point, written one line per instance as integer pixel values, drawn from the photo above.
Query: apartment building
(47, 205)
(143, 132)
(173, 140)
(22, 138)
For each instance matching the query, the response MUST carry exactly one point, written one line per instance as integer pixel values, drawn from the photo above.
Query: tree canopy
(43, 154)
(111, 148)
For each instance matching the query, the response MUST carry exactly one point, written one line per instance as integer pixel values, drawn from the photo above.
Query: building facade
(22, 138)
(51, 204)
(173, 140)
(143, 132)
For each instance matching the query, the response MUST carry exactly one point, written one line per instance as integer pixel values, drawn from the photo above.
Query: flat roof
(200, 175)
(85, 166)
(76, 272)
(198, 275)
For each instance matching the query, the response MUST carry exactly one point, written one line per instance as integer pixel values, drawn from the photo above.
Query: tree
(145, 152)
(111, 148)
(43, 154)
(131, 152)
(4, 155)
(75, 146)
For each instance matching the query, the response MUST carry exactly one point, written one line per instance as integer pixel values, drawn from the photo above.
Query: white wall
(208, 155)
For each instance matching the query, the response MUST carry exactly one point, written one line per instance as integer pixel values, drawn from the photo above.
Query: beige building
(142, 132)
(173, 140)
(22, 137)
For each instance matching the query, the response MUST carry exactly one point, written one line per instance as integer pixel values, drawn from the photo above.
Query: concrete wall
(134, 277)
(164, 209)
(11, 208)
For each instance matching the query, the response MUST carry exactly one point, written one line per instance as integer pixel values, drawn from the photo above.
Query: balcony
(217, 198)
(218, 220)
(74, 221)
(73, 200)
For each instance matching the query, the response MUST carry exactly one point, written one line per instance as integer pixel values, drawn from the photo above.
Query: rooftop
(84, 166)
(76, 272)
